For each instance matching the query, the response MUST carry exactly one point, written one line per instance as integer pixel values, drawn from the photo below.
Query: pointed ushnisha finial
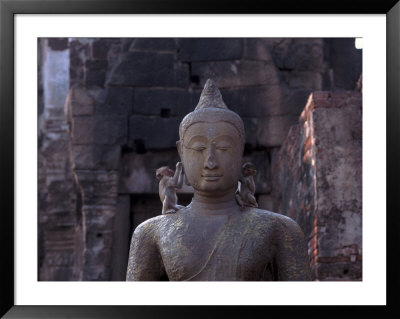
(212, 109)
(210, 97)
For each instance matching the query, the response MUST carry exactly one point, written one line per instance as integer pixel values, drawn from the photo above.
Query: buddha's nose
(211, 160)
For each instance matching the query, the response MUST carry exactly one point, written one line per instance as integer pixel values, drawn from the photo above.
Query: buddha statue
(215, 238)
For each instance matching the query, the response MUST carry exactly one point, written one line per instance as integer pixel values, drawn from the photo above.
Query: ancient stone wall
(320, 178)
(125, 102)
(57, 217)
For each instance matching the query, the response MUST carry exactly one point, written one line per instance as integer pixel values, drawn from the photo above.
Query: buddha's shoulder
(275, 220)
(156, 223)
(264, 214)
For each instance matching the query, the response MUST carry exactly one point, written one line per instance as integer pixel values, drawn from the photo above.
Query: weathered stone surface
(92, 156)
(118, 48)
(96, 273)
(53, 146)
(58, 44)
(145, 206)
(250, 127)
(306, 55)
(268, 131)
(293, 101)
(210, 49)
(94, 79)
(95, 73)
(297, 54)
(100, 49)
(257, 49)
(82, 130)
(337, 99)
(57, 259)
(154, 132)
(339, 201)
(324, 190)
(149, 69)
(345, 62)
(56, 197)
(120, 232)
(58, 273)
(101, 221)
(303, 80)
(99, 130)
(115, 101)
(76, 77)
(275, 190)
(163, 102)
(272, 130)
(296, 178)
(279, 48)
(139, 173)
(99, 188)
(254, 101)
(61, 239)
(265, 202)
(101, 236)
(236, 73)
(99, 193)
(96, 65)
(339, 271)
(79, 53)
(79, 102)
(153, 44)
(95, 258)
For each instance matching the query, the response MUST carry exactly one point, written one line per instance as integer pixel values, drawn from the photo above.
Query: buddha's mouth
(211, 177)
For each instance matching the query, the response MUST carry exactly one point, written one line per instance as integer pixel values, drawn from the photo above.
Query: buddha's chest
(215, 250)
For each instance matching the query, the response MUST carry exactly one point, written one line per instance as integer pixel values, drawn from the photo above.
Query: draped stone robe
(249, 245)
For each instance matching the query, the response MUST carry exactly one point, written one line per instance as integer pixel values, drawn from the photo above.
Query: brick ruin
(320, 178)
(109, 111)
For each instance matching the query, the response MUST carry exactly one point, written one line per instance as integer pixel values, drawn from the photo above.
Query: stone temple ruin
(105, 112)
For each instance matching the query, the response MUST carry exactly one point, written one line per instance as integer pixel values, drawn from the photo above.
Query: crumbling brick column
(320, 175)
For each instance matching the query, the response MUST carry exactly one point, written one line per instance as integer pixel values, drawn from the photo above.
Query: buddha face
(211, 154)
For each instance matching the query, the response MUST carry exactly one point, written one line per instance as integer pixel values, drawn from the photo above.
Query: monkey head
(164, 171)
(248, 169)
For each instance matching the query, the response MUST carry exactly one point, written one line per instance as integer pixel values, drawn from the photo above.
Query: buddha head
(211, 144)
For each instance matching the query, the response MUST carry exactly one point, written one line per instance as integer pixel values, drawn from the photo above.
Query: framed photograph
(54, 49)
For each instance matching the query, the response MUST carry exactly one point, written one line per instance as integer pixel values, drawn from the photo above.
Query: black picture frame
(8, 10)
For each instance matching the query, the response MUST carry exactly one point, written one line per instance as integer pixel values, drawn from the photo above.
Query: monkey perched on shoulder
(247, 187)
(169, 182)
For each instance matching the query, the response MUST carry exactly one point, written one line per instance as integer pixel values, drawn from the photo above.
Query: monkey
(169, 182)
(247, 187)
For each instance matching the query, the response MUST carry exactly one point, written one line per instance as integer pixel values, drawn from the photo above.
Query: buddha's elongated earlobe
(179, 148)
(186, 181)
(184, 176)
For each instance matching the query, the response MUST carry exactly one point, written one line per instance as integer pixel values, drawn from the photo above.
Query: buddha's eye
(198, 147)
(223, 146)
